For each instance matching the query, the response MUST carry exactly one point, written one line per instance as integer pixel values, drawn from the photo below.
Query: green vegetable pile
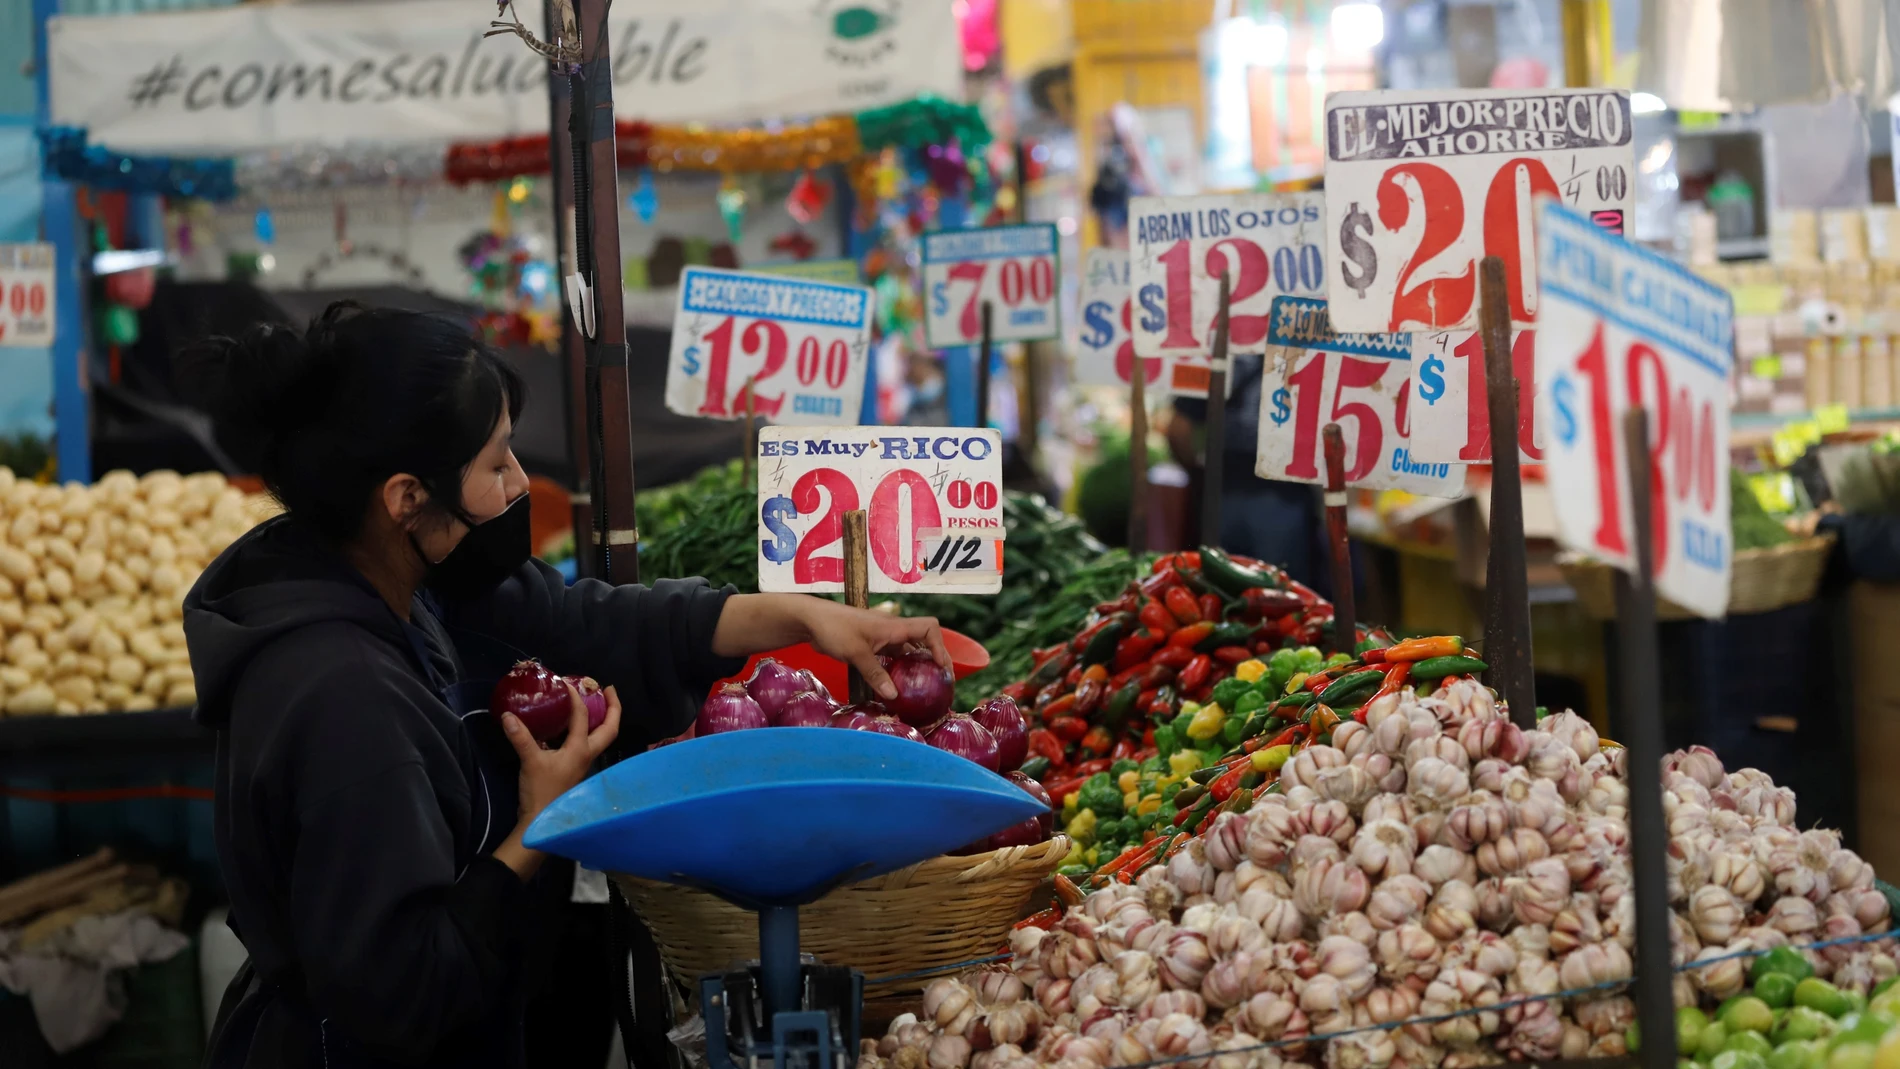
(1753, 527)
(707, 526)
(1045, 547)
(664, 508)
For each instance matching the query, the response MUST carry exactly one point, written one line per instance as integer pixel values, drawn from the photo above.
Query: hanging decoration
(306, 167)
(644, 200)
(808, 197)
(64, 154)
(732, 201)
(509, 277)
(265, 227)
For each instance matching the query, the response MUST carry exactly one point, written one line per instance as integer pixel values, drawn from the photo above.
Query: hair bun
(258, 389)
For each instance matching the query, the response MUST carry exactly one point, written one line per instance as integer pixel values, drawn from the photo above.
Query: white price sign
(1422, 184)
(1359, 381)
(1452, 417)
(801, 343)
(1267, 244)
(26, 295)
(1628, 328)
(916, 485)
(1105, 351)
(1010, 268)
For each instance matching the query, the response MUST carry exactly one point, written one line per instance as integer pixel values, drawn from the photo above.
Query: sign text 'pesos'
(1010, 268)
(803, 345)
(1315, 375)
(1626, 328)
(1105, 348)
(1421, 184)
(932, 498)
(1266, 244)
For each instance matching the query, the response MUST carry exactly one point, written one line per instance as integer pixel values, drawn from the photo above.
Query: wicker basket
(934, 913)
(1764, 580)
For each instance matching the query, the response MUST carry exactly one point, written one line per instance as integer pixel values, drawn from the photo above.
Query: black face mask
(490, 552)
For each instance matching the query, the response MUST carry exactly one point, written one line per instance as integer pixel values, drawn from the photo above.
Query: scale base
(822, 1033)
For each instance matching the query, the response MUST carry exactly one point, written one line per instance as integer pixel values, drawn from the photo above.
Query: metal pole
(1640, 674)
(983, 358)
(1138, 458)
(857, 584)
(1507, 617)
(574, 376)
(59, 223)
(1216, 424)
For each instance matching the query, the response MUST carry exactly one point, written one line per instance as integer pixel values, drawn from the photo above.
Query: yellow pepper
(1182, 762)
(1206, 723)
(1293, 685)
(1190, 708)
(1071, 804)
(1148, 805)
(1128, 780)
(1074, 856)
(1250, 671)
(1082, 827)
(1130, 800)
(1091, 856)
(1271, 758)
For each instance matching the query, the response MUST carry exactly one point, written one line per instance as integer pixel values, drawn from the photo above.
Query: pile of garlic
(1433, 860)
(91, 584)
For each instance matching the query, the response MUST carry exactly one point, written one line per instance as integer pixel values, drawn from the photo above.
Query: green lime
(1776, 989)
(1748, 1014)
(1754, 1042)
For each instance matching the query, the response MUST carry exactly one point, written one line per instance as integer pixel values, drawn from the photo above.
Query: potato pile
(91, 584)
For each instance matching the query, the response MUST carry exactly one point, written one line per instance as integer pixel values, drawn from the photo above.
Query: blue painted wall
(26, 375)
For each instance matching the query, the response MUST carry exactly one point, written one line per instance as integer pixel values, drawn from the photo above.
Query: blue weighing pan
(778, 815)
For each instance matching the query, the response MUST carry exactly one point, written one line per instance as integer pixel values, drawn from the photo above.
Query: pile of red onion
(993, 735)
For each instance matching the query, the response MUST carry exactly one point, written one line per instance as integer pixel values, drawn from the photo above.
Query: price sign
(1266, 244)
(1628, 328)
(1359, 381)
(925, 491)
(1105, 352)
(1421, 184)
(802, 343)
(1452, 420)
(1011, 268)
(26, 295)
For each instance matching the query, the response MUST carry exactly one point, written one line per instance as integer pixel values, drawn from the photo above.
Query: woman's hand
(857, 636)
(549, 772)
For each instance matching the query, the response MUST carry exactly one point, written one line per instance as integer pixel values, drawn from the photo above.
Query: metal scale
(771, 820)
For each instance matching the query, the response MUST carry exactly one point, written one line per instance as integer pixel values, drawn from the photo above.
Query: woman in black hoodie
(369, 809)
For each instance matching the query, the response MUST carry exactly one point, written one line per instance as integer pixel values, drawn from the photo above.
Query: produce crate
(934, 913)
(1764, 580)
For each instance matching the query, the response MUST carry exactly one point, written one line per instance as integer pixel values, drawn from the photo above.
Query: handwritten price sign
(1105, 352)
(26, 295)
(1010, 268)
(927, 493)
(1359, 381)
(1421, 184)
(1453, 418)
(802, 343)
(1267, 244)
(1629, 328)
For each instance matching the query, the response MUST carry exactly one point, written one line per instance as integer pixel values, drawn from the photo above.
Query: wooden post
(749, 444)
(1507, 615)
(1639, 673)
(1216, 424)
(575, 377)
(857, 583)
(1138, 459)
(1345, 611)
(983, 373)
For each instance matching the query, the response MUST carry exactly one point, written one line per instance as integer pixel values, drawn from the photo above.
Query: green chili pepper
(1435, 667)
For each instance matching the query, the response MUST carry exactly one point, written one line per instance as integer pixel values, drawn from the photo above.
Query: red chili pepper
(1043, 743)
(1146, 853)
(1121, 861)
(1210, 606)
(1090, 768)
(1123, 678)
(1072, 677)
(1156, 618)
(1228, 782)
(1182, 606)
(1041, 657)
(1147, 735)
(1046, 920)
(1196, 672)
(1173, 656)
(1017, 692)
(1063, 788)
(1081, 639)
(1130, 652)
(1098, 740)
(1162, 563)
(1264, 648)
(1233, 654)
(1191, 635)
(1162, 704)
(1157, 675)
(1307, 595)
(1188, 559)
(1318, 680)
(1062, 708)
(1158, 585)
(1049, 696)
(1123, 750)
(1094, 673)
(1287, 737)
(1373, 656)
(1089, 695)
(1271, 604)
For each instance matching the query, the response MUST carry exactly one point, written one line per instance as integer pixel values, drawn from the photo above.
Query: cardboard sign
(803, 343)
(1105, 351)
(1421, 184)
(26, 295)
(1267, 244)
(1010, 268)
(917, 485)
(1451, 416)
(1626, 327)
(1359, 381)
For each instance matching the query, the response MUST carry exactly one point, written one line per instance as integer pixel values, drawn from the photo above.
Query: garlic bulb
(1279, 919)
(1227, 983)
(1512, 851)
(1477, 817)
(1190, 870)
(949, 1052)
(1739, 873)
(1329, 886)
(1355, 926)
(1273, 1017)
(1716, 914)
(1436, 783)
(1719, 979)
(1363, 1050)
(1304, 768)
(1599, 963)
(1575, 925)
(1233, 933)
(1868, 908)
(1271, 832)
(1352, 739)
(1367, 775)
(950, 1005)
(1329, 819)
(1185, 961)
(1488, 774)
(1533, 1031)
(997, 987)
(1139, 977)
(1437, 864)
(1541, 892)
(1574, 731)
(1384, 848)
(1225, 842)
(1499, 740)
(1406, 953)
(1452, 912)
(1393, 806)
(1699, 763)
(1444, 747)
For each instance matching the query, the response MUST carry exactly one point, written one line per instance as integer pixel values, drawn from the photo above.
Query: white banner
(801, 345)
(26, 295)
(257, 76)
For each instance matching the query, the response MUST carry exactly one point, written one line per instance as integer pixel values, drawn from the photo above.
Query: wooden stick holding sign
(857, 583)
(1216, 420)
(749, 447)
(1138, 459)
(1507, 615)
(983, 369)
(1345, 611)
(1639, 673)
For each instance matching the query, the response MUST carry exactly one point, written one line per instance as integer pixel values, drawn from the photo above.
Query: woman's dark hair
(326, 416)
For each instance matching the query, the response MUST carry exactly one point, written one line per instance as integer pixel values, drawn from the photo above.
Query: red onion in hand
(729, 708)
(806, 709)
(960, 735)
(872, 716)
(539, 698)
(1036, 790)
(1005, 723)
(772, 684)
(924, 688)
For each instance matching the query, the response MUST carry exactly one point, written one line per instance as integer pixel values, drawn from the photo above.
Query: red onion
(1028, 833)
(811, 683)
(960, 735)
(805, 709)
(729, 708)
(1035, 790)
(772, 685)
(924, 688)
(540, 699)
(1005, 722)
(872, 716)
